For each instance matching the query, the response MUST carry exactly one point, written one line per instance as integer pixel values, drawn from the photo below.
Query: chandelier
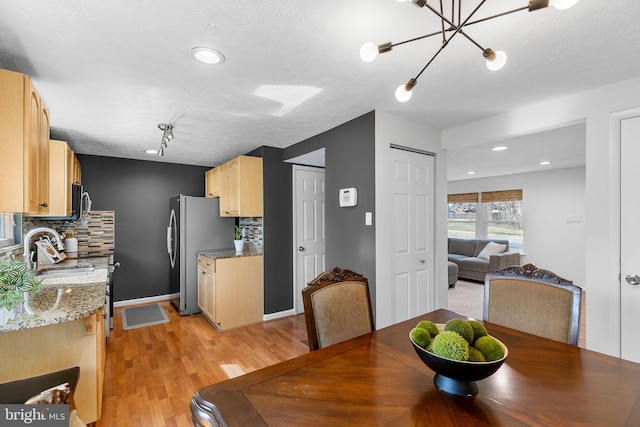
(450, 27)
(166, 136)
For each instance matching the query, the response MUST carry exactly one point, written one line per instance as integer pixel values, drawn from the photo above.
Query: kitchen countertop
(63, 299)
(228, 253)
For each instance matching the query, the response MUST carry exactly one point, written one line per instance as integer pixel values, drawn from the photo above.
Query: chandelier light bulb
(497, 60)
(368, 52)
(562, 4)
(402, 94)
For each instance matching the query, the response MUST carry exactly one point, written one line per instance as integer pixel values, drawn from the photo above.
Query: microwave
(80, 204)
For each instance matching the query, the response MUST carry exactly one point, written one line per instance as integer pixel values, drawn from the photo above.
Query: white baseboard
(139, 301)
(278, 315)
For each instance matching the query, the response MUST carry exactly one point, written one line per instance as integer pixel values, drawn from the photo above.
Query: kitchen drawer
(207, 263)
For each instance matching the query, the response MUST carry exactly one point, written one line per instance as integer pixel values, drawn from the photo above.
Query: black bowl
(458, 377)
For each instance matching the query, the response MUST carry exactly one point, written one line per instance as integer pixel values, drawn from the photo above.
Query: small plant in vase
(239, 241)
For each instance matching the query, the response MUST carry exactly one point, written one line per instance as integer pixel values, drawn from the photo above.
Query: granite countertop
(228, 253)
(63, 299)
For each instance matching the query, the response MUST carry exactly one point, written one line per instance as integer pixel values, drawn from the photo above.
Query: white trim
(278, 315)
(139, 301)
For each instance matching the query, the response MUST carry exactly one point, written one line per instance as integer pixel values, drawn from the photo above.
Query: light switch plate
(368, 218)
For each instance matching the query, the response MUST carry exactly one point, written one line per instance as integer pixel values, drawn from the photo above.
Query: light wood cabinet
(212, 182)
(240, 187)
(79, 342)
(76, 169)
(230, 290)
(63, 171)
(24, 138)
(206, 287)
(223, 188)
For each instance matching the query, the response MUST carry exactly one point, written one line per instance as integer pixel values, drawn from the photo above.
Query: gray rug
(144, 315)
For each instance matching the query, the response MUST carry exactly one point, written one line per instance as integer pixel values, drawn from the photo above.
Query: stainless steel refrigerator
(194, 224)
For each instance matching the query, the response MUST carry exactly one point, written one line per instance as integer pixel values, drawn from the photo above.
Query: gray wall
(138, 192)
(349, 162)
(278, 231)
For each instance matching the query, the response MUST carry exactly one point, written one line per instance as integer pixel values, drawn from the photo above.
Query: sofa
(477, 257)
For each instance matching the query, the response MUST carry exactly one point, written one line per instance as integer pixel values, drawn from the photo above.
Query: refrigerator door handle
(171, 239)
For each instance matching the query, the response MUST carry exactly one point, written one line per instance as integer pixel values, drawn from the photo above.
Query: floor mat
(144, 315)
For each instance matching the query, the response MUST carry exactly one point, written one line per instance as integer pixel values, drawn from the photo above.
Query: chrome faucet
(26, 240)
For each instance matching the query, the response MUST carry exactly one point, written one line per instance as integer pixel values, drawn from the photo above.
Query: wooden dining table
(378, 380)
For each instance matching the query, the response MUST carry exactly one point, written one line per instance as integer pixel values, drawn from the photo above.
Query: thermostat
(348, 197)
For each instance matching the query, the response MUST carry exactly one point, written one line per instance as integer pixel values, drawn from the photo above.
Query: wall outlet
(368, 218)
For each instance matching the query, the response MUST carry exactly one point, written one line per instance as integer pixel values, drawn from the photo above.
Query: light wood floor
(152, 372)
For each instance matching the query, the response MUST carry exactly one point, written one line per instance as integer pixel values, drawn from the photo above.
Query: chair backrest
(337, 307)
(535, 301)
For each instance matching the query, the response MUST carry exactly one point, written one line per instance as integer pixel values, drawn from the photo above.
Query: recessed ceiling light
(471, 173)
(151, 151)
(207, 55)
(544, 163)
(499, 148)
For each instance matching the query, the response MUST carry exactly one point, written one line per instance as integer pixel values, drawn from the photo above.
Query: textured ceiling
(111, 71)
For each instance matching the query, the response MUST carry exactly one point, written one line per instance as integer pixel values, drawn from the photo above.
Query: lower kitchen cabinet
(230, 290)
(42, 350)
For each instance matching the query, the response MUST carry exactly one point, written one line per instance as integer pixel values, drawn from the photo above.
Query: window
(504, 221)
(461, 217)
(6, 229)
(487, 215)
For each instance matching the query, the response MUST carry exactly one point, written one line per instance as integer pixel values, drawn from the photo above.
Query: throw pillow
(492, 248)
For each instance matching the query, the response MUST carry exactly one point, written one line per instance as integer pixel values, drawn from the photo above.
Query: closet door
(629, 239)
(412, 251)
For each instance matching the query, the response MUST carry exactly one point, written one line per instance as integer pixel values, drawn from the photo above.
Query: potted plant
(16, 279)
(239, 241)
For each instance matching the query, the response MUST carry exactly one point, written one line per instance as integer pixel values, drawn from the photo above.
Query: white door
(629, 238)
(309, 228)
(413, 257)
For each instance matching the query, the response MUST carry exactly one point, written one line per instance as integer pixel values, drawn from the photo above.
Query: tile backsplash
(95, 233)
(253, 233)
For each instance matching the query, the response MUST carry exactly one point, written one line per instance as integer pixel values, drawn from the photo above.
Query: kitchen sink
(67, 272)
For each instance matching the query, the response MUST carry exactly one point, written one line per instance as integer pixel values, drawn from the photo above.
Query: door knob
(300, 248)
(422, 261)
(633, 279)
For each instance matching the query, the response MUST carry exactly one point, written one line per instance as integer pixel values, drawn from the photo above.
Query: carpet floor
(467, 298)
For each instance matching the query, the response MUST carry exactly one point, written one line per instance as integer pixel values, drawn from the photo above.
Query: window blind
(501, 196)
(462, 198)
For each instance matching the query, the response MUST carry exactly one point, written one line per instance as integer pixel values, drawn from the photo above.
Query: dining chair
(534, 301)
(337, 307)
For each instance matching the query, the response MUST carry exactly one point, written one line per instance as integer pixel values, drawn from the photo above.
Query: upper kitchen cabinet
(64, 170)
(24, 136)
(212, 182)
(240, 187)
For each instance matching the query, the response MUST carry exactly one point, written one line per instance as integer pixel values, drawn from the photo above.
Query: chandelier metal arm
(454, 26)
(497, 15)
(458, 29)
